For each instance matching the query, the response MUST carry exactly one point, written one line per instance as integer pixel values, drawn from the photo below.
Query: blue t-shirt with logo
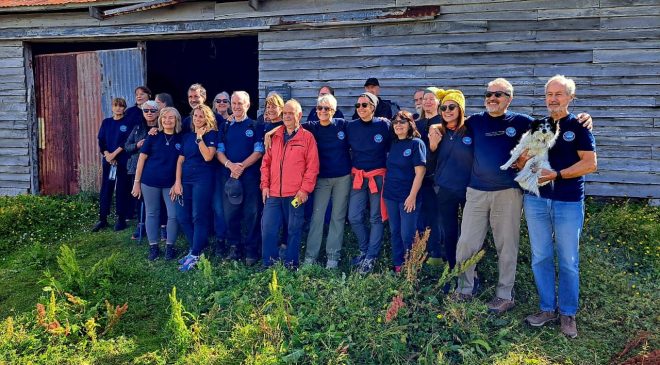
(195, 168)
(239, 140)
(404, 156)
(160, 168)
(454, 161)
(113, 134)
(369, 142)
(331, 141)
(494, 138)
(423, 126)
(573, 137)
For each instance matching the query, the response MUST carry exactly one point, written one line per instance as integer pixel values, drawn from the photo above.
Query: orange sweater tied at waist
(358, 181)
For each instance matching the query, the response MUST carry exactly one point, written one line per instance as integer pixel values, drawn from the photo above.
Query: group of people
(247, 182)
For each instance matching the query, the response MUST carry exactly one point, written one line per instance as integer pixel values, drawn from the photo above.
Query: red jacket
(287, 169)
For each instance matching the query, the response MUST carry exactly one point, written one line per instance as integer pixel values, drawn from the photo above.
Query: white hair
(242, 95)
(569, 84)
(328, 99)
(503, 82)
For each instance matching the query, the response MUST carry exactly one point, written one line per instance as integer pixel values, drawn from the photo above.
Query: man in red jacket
(288, 175)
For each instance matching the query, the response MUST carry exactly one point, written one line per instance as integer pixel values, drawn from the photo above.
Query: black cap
(234, 191)
(372, 81)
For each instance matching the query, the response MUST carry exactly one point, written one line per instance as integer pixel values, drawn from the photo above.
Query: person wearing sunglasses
(383, 106)
(334, 182)
(132, 147)
(369, 139)
(324, 90)
(493, 198)
(221, 105)
(406, 165)
(111, 138)
(154, 180)
(195, 173)
(453, 145)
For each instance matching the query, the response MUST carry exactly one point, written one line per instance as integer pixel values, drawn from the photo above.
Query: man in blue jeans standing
(555, 218)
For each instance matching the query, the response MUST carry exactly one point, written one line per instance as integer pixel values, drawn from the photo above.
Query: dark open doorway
(219, 64)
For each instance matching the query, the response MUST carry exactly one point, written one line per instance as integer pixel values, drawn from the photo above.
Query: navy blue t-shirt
(331, 141)
(239, 140)
(494, 138)
(369, 142)
(270, 126)
(423, 126)
(113, 134)
(404, 156)
(573, 137)
(160, 168)
(454, 162)
(195, 168)
(313, 117)
(133, 115)
(186, 123)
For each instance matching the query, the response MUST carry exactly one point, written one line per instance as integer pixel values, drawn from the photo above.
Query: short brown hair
(412, 131)
(119, 102)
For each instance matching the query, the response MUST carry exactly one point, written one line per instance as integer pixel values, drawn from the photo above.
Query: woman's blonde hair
(208, 116)
(177, 116)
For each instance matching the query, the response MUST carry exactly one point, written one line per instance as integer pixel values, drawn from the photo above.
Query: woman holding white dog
(555, 218)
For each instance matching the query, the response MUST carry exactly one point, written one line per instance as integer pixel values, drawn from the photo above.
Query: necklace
(167, 140)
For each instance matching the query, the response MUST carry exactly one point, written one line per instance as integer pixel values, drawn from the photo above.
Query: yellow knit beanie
(455, 96)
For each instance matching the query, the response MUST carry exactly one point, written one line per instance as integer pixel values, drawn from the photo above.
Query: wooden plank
(15, 169)
(13, 184)
(631, 152)
(10, 51)
(12, 191)
(545, 24)
(14, 160)
(596, 70)
(438, 26)
(586, 12)
(13, 143)
(504, 15)
(518, 5)
(625, 177)
(601, 34)
(623, 190)
(624, 164)
(632, 11)
(479, 71)
(633, 22)
(629, 3)
(20, 179)
(241, 9)
(11, 62)
(13, 115)
(13, 124)
(616, 55)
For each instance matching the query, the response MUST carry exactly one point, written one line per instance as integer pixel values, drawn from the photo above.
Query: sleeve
(130, 145)
(148, 144)
(311, 166)
(103, 146)
(265, 169)
(259, 132)
(211, 139)
(183, 147)
(219, 142)
(585, 139)
(310, 114)
(308, 126)
(419, 153)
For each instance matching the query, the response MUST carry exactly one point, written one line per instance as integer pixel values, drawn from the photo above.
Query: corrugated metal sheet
(57, 106)
(91, 113)
(122, 70)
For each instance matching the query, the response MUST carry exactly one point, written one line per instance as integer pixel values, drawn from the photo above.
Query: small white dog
(537, 141)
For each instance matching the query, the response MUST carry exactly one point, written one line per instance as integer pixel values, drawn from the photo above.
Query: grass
(226, 313)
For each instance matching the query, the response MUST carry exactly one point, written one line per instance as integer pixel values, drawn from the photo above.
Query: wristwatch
(198, 140)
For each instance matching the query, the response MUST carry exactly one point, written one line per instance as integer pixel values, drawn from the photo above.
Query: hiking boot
(568, 326)
(366, 266)
(332, 264)
(541, 318)
(153, 252)
(357, 261)
(170, 252)
(498, 305)
(163, 233)
(233, 254)
(99, 225)
(120, 225)
(189, 264)
(460, 297)
(139, 232)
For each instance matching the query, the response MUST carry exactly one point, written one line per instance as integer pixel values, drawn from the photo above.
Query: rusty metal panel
(90, 115)
(122, 70)
(57, 106)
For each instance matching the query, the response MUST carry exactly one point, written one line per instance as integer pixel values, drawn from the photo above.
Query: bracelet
(559, 177)
(136, 180)
(227, 162)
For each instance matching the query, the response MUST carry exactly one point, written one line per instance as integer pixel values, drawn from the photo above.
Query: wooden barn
(61, 61)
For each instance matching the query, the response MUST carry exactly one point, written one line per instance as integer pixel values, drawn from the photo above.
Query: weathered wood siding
(610, 48)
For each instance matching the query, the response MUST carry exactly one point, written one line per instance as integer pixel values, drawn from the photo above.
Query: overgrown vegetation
(71, 297)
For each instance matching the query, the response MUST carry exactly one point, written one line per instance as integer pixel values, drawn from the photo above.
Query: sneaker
(332, 264)
(139, 232)
(185, 258)
(366, 266)
(568, 326)
(233, 254)
(460, 297)
(541, 318)
(153, 252)
(163, 233)
(309, 261)
(357, 261)
(99, 225)
(120, 225)
(498, 305)
(189, 264)
(170, 252)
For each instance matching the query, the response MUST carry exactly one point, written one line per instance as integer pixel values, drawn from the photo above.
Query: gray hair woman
(221, 105)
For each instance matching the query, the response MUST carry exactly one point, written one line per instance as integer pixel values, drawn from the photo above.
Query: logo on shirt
(123, 128)
(211, 142)
(177, 146)
(568, 136)
(467, 141)
(249, 133)
(407, 152)
(511, 132)
(341, 135)
(378, 138)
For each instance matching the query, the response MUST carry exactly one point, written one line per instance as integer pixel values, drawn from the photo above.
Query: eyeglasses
(222, 101)
(364, 105)
(449, 107)
(498, 94)
(400, 121)
(178, 199)
(150, 110)
(325, 108)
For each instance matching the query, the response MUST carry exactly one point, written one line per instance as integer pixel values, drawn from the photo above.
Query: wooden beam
(148, 5)
(254, 4)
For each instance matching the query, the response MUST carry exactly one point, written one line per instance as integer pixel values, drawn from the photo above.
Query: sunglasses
(325, 108)
(150, 110)
(449, 107)
(401, 121)
(222, 101)
(364, 105)
(498, 94)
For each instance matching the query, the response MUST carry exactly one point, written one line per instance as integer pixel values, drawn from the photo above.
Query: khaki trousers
(502, 210)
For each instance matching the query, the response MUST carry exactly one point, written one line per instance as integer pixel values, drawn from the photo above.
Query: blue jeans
(428, 217)
(219, 223)
(194, 216)
(371, 241)
(153, 198)
(563, 220)
(278, 212)
(244, 215)
(403, 226)
(449, 204)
